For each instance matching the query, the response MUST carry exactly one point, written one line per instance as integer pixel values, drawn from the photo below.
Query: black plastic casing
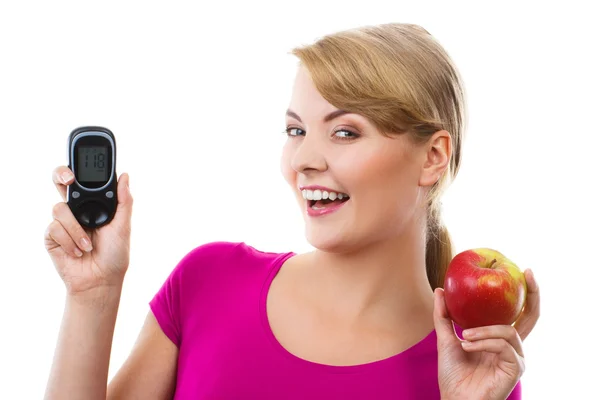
(93, 204)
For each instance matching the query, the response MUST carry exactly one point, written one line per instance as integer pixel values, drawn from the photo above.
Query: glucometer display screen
(93, 163)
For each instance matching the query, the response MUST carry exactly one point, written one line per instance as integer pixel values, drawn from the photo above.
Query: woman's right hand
(105, 259)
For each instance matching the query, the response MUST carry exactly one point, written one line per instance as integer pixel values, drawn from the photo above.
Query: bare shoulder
(150, 370)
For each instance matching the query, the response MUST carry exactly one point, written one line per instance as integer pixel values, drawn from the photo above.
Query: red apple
(482, 287)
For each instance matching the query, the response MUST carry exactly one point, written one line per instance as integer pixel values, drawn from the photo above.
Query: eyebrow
(327, 118)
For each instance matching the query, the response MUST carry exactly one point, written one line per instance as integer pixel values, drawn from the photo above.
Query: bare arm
(94, 281)
(150, 371)
(81, 360)
(80, 365)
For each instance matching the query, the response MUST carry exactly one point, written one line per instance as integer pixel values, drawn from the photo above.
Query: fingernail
(466, 343)
(78, 252)
(87, 246)
(66, 176)
(469, 333)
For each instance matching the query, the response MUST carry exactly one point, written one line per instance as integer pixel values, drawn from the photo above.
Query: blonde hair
(401, 79)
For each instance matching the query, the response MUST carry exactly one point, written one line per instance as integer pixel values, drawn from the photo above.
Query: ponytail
(439, 249)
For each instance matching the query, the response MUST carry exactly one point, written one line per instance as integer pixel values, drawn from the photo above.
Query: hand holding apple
(490, 361)
(482, 287)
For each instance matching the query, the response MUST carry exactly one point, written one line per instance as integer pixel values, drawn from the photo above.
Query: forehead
(312, 108)
(306, 99)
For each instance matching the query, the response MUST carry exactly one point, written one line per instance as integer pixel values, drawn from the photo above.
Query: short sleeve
(166, 303)
(169, 303)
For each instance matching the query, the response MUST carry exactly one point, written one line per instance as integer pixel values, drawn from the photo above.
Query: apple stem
(493, 261)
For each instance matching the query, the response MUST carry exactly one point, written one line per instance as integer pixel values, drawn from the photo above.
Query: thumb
(124, 200)
(444, 328)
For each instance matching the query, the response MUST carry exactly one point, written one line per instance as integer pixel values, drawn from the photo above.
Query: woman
(375, 127)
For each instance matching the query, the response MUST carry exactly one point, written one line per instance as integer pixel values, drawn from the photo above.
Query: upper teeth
(322, 195)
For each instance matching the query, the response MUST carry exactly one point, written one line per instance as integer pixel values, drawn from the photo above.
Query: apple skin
(482, 287)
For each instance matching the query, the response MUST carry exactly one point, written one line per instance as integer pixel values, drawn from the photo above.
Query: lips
(317, 208)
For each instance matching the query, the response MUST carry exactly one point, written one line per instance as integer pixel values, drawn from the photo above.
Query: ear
(438, 151)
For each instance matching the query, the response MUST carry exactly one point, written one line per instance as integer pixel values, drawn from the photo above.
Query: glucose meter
(92, 197)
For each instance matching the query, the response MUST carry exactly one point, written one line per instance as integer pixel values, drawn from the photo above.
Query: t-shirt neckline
(396, 358)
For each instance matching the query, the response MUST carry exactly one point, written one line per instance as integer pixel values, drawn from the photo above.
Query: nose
(309, 155)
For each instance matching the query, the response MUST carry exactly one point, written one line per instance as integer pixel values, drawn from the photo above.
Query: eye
(347, 135)
(293, 131)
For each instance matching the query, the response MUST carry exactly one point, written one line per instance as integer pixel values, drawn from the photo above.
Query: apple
(482, 287)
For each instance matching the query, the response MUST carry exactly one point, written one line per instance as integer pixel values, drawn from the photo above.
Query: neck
(383, 281)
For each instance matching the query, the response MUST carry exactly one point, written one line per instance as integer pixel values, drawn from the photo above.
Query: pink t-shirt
(213, 307)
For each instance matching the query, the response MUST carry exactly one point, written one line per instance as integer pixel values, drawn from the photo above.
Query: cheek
(286, 166)
(372, 171)
(386, 179)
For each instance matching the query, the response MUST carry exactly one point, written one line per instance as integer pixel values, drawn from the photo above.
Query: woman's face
(382, 176)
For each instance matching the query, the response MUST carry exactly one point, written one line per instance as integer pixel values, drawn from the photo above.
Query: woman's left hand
(490, 361)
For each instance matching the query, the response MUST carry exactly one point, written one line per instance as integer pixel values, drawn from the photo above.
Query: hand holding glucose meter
(92, 197)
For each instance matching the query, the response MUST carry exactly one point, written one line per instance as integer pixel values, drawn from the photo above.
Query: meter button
(92, 213)
(101, 216)
(109, 194)
(75, 195)
(85, 217)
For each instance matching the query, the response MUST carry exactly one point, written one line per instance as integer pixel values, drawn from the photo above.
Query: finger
(506, 353)
(497, 346)
(56, 233)
(62, 177)
(531, 312)
(63, 214)
(442, 322)
(505, 332)
(124, 201)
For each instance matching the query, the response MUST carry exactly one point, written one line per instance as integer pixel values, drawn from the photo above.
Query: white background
(196, 96)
